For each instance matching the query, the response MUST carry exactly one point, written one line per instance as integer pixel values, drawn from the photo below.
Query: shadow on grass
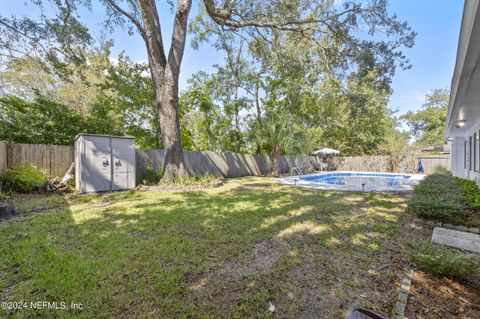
(138, 255)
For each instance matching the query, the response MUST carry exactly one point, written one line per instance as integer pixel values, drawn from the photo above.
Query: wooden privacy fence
(226, 164)
(432, 162)
(237, 165)
(56, 159)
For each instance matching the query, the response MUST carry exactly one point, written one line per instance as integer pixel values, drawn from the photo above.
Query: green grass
(191, 180)
(225, 252)
(444, 261)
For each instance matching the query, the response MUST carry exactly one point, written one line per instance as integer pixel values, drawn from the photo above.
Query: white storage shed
(104, 163)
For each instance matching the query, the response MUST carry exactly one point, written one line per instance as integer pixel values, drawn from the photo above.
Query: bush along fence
(56, 159)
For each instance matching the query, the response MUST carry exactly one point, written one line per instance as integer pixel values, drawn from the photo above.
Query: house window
(470, 153)
(475, 152)
(465, 154)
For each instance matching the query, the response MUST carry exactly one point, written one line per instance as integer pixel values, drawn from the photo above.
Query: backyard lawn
(225, 252)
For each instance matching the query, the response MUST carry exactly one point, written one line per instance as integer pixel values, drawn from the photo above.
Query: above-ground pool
(356, 181)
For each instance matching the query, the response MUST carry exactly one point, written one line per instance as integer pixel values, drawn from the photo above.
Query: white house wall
(463, 118)
(457, 168)
(466, 154)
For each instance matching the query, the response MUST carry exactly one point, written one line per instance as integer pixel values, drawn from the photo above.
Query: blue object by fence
(420, 167)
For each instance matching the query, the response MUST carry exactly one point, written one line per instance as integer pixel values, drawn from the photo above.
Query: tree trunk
(165, 73)
(237, 124)
(274, 157)
(168, 99)
(259, 112)
(258, 149)
(257, 100)
(170, 127)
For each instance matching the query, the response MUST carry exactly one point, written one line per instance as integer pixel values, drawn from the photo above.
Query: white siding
(467, 167)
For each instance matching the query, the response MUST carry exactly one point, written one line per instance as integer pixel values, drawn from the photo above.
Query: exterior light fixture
(460, 123)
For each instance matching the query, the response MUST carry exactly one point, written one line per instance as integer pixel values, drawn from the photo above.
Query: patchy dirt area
(444, 298)
(261, 259)
(27, 205)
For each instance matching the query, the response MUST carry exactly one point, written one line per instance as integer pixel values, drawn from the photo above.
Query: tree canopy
(428, 123)
(320, 70)
(102, 96)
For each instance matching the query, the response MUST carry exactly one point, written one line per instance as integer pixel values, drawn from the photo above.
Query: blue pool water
(359, 179)
(356, 181)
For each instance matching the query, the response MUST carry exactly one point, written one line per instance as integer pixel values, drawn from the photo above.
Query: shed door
(123, 156)
(97, 164)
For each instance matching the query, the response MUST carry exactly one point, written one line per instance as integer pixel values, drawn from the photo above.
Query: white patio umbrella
(326, 151)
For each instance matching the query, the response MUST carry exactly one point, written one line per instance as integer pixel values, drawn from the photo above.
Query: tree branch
(179, 35)
(129, 16)
(153, 37)
(224, 17)
(24, 34)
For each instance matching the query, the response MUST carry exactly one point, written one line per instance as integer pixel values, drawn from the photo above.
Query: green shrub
(438, 184)
(441, 170)
(444, 261)
(23, 179)
(433, 208)
(439, 197)
(472, 193)
(149, 177)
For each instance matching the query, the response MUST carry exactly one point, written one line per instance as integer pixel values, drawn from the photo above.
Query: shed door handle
(105, 162)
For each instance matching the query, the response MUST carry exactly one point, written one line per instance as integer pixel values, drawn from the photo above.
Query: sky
(437, 23)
